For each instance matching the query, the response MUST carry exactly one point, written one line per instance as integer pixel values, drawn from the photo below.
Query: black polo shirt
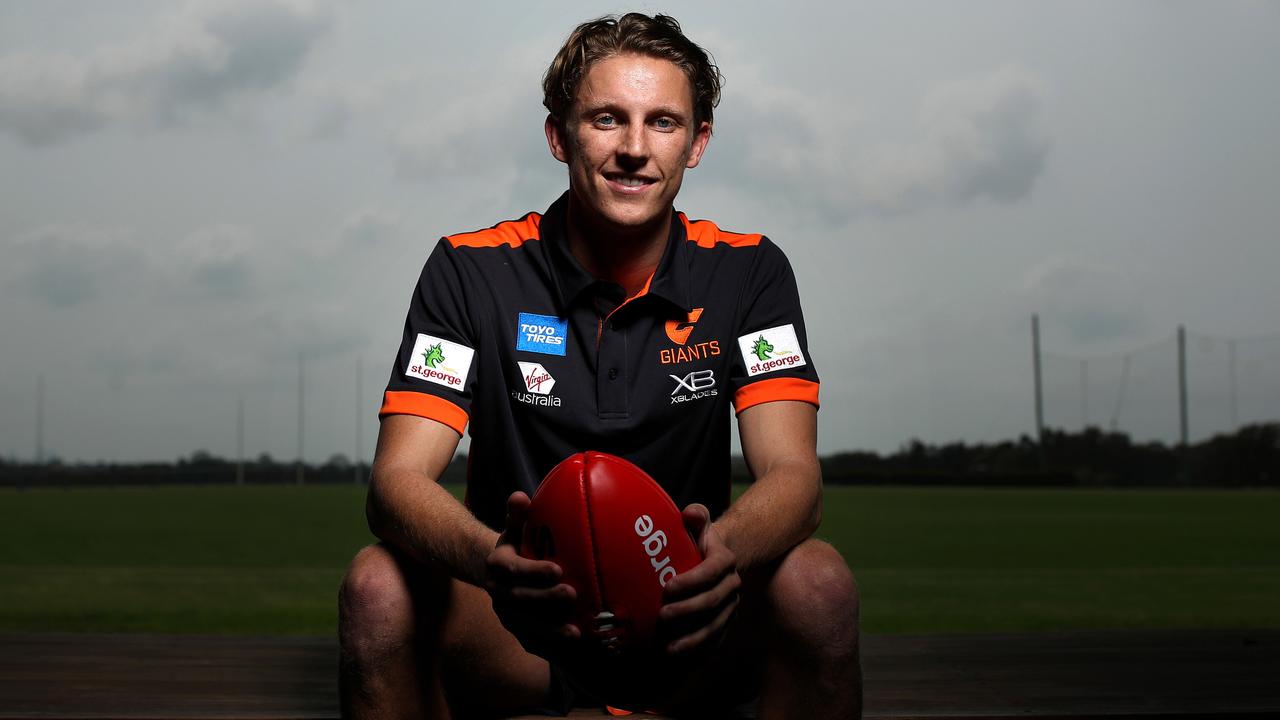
(507, 331)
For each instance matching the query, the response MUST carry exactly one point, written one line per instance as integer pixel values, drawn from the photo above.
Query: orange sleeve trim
(405, 402)
(706, 234)
(511, 232)
(776, 389)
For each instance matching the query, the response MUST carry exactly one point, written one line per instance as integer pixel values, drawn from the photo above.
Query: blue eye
(665, 123)
(605, 120)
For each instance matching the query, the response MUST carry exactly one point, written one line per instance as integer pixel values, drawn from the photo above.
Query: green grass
(268, 560)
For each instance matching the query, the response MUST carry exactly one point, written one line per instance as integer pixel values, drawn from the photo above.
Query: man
(609, 323)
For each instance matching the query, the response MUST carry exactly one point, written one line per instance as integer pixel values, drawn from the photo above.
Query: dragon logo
(761, 348)
(433, 355)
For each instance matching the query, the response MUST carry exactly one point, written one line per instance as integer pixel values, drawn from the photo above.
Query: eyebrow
(609, 106)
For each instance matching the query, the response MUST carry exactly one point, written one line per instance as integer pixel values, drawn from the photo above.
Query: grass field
(268, 560)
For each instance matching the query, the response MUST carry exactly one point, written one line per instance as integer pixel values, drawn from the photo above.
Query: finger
(533, 608)
(703, 576)
(506, 568)
(705, 602)
(568, 631)
(550, 644)
(687, 616)
(696, 639)
(556, 595)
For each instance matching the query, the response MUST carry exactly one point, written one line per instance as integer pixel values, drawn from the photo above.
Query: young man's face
(630, 136)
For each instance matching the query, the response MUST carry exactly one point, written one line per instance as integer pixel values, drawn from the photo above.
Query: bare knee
(815, 599)
(375, 606)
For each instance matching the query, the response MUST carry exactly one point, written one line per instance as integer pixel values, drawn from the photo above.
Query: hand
(528, 596)
(698, 604)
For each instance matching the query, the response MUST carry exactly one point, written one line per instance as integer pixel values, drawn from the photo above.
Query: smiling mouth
(628, 181)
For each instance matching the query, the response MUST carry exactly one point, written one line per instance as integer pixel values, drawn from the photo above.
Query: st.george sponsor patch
(544, 334)
(765, 351)
(440, 361)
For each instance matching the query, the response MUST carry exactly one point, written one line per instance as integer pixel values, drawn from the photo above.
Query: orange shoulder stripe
(407, 402)
(776, 389)
(706, 234)
(511, 232)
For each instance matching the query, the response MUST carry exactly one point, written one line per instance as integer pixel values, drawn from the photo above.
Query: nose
(633, 146)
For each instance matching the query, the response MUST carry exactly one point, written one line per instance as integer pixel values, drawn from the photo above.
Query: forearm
(411, 511)
(779, 511)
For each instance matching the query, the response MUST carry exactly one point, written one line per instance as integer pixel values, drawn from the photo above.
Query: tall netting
(1231, 382)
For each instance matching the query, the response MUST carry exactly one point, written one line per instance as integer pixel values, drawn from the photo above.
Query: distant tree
(204, 457)
(338, 461)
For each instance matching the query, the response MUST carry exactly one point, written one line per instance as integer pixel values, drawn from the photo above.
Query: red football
(619, 539)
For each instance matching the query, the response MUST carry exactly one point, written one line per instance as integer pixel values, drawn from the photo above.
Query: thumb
(696, 518)
(517, 511)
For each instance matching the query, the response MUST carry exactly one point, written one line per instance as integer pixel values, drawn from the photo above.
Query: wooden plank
(1149, 674)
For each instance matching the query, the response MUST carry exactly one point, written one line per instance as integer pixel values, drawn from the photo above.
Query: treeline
(202, 468)
(1249, 457)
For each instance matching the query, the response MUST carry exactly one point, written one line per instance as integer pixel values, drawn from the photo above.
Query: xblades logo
(694, 381)
(699, 384)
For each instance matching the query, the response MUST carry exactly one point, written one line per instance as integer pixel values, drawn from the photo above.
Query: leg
(416, 643)
(813, 665)
(794, 640)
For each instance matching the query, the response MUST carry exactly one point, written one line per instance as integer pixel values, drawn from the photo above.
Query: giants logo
(679, 333)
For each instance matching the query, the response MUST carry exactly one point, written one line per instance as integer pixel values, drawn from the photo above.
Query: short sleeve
(433, 375)
(771, 360)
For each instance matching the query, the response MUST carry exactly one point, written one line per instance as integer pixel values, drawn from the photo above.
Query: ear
(556, 141)
(701, 137)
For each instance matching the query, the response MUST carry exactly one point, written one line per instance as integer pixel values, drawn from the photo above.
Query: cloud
(473, 137)
(980, 138)
(368, 227)
(471, 130)
(976, 138)
(66, 266)
(1093, 304)
(215, 262)
(191, 66)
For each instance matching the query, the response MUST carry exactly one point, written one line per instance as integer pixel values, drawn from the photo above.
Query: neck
(627, 256)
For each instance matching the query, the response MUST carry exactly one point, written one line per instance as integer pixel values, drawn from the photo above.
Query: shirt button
(613, 373)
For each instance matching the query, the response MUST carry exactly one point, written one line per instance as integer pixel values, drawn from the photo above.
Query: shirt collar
(669, 282)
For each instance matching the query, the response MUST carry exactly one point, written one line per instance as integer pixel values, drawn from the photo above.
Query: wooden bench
(1147, 674)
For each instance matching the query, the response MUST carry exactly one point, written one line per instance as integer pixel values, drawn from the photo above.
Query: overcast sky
(193, 196)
